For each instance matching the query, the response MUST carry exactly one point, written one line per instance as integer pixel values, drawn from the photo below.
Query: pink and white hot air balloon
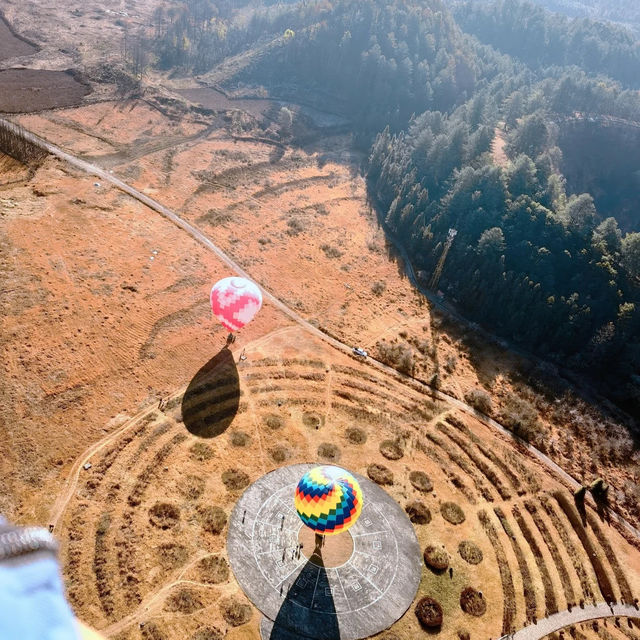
(235, 301)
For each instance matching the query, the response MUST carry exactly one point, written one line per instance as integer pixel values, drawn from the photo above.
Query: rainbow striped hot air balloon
(328, 500)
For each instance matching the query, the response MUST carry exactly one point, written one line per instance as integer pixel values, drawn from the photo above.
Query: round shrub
(280, 453)
(479, 399)
(420, 481)
(429, 612)
(472, 602)
(184, 601)
(418, 512)
(436, 557)
(452, 512)
(328, 451)
(312, 420)
(213, 570)
(391, 450)
(470, 552)
(239, 438)
(212, 519)
(273, 421)
(164, 515)
(380, 474)
(191, 487)
(235, 480)
(235, 612)
(207, 633)
(201, 451)
(355, 435)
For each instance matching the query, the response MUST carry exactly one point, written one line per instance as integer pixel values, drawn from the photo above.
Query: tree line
(543, 39)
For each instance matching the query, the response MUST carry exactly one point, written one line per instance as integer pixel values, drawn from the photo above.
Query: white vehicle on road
(360, 352)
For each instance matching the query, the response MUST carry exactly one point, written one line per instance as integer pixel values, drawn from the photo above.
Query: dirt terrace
(12, 46)
(27, 90)
(148, 521)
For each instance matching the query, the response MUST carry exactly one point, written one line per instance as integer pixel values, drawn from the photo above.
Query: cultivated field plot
(11, 46)
(25, 90)
(146, 526)
(104, 309)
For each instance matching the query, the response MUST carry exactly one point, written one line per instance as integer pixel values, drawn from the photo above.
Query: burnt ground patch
(28, 90)
(11, 44)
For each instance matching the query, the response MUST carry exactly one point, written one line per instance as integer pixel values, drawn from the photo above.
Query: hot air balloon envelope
(328, 500)
(235, 301)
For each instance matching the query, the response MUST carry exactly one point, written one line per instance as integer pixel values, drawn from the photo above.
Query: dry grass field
(111, 358)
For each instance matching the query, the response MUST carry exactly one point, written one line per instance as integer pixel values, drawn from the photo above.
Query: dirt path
(195, 233)
(566, 618)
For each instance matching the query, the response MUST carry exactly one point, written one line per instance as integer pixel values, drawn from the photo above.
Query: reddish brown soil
(27, 90)
(95, 325)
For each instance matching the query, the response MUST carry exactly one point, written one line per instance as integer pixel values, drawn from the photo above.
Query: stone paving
(359, 598)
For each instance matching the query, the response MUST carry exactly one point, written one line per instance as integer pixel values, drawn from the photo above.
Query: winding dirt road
(564, 619)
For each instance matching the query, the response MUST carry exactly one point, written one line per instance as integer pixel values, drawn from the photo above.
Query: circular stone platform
(360, 597)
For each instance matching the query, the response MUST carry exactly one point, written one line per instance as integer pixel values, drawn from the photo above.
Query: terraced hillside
(148, 521)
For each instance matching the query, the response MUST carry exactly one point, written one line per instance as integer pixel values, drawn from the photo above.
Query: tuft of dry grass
(171, 555)
(436, 557)
(235, 480)
(452, 512)
(213, 570)
(201, 451)
(213, 519)
(164, 515)
(470, 552)
(234, 612)
(184, 601)
(380, 474)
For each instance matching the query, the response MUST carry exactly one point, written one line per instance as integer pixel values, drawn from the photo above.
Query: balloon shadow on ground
(308, 610)
(212, 398)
